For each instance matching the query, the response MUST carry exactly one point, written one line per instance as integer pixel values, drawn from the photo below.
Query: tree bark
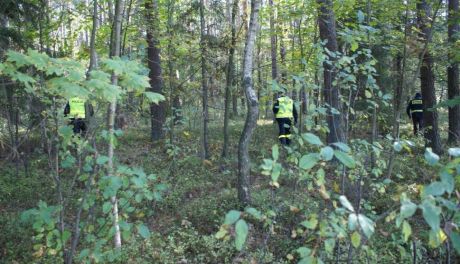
(430, 115)
(157, 111)
(244, 194)
(111, 121)
(204, 85)
(93, 54)
(327, 31)
(230, 76)
(452, 73)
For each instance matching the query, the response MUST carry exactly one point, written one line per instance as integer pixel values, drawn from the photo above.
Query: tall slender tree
(430, 115)
(327, 32)
(111, 120)
(273, 42)
(157, 111)
(204, 84)
(452, 72)
(230, 76)
(244, 194)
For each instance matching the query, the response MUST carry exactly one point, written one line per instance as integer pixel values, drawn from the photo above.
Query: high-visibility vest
(285, 106)
(77, 108)
(416, 106)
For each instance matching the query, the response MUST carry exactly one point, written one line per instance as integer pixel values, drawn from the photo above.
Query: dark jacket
(414, 106)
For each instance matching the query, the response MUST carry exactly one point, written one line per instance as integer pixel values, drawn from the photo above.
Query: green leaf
(154, 97)
(275, 152)
(406, 230)
(221, 233)
(346, 159)
(356, 239)
(431, 157)
(303, 252)
(408, 208)
(354, 47)
(448, 181)
(18, 58)
(431, 214)
(366, 224)
(106, 207)
(310, 224)
(360, 16)
(312, 139)
(345, 203)
(231, 217)
(276, 171)
(143, 231)
(308, 161)
(329, 245)
(368, 94)
(254, 213)
(307, 260)
(101, 159)
(455, 238)
(84, 253)
(327, 153)
(342, 146)
(352, 222)
(241, 233)
(435, 189)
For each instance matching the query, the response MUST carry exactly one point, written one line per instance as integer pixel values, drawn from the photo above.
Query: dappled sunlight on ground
(265, 122)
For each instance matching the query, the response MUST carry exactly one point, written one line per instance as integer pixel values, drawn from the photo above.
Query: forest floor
(199, 194)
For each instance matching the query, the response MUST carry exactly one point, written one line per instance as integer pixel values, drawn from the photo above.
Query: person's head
(418, 95)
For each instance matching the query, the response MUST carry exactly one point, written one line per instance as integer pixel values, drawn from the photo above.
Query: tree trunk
(93, 54)
(157, 111)
(327, 31)
(273, 44)
(452, 73)
(111, 121)
(244, 194)
(204, 85)
(430, 115)
(230, 73)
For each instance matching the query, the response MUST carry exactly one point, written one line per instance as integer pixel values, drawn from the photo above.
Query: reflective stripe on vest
(285, 106)
(77, 108)
(417, 102)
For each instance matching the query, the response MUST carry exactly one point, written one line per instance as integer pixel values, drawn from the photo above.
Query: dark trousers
(79, 126)
(284, 125)
(417, 120)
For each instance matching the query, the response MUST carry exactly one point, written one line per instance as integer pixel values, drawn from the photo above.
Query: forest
(229, 131)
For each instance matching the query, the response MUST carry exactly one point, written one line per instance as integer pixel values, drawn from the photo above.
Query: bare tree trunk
(111, 122)
(452, 73)
(273, 44)
(92, 49)
(430, 115)
(157, 111)
(230, 73)
(244, 194)
(204, 85)
(327, 31)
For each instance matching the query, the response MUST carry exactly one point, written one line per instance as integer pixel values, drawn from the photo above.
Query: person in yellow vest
(415, 112)
(76, 110)
(285, 112)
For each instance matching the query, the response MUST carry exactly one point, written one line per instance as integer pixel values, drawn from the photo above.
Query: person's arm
(275, 107)
(294, 112)
(67, 109)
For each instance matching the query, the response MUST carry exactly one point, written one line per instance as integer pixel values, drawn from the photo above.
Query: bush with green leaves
(78, 225)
